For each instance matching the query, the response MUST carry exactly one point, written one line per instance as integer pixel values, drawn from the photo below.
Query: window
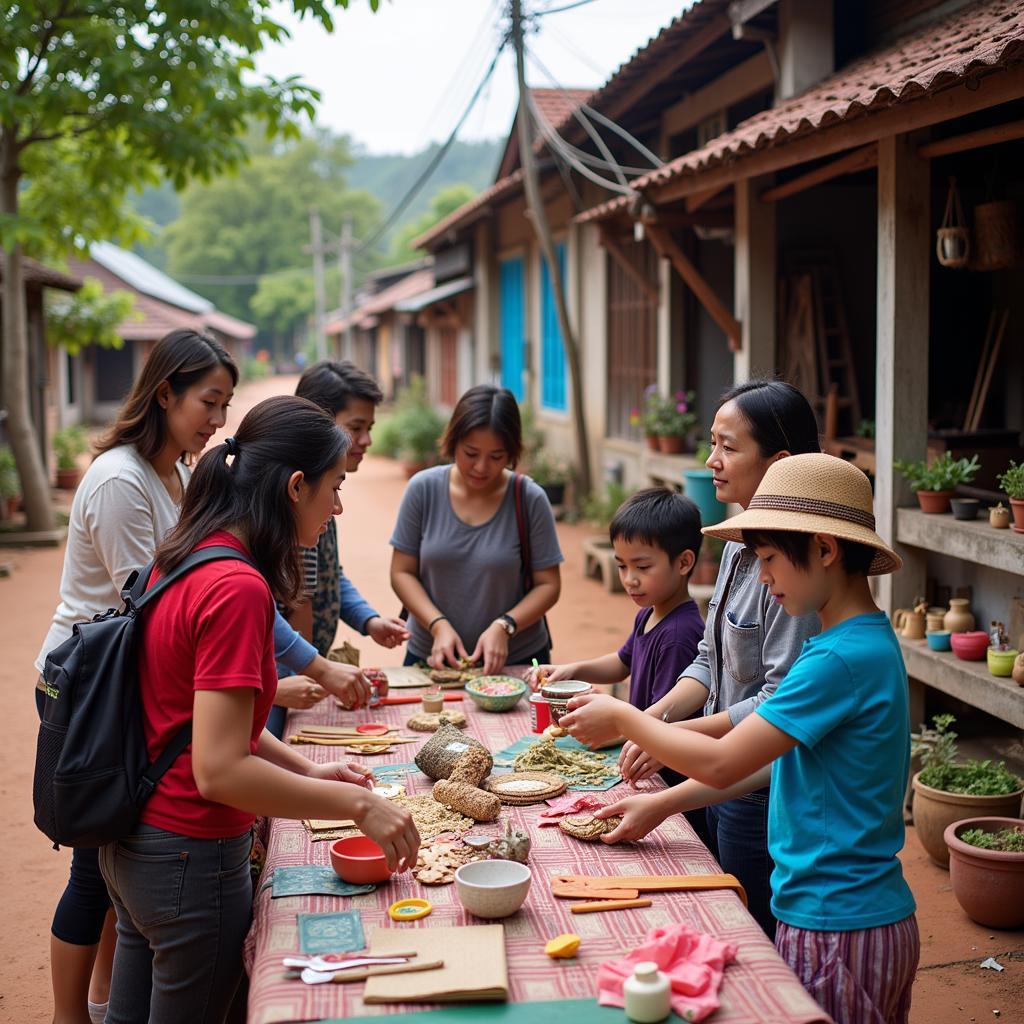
(513, 334)
(115, 371)
(552, 351)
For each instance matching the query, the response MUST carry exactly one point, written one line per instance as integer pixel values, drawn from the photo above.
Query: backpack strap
(137, 593)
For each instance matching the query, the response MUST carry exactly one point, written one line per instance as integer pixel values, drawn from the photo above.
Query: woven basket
(953, 240)
(554, 786)
(996, 235)
(438, 755)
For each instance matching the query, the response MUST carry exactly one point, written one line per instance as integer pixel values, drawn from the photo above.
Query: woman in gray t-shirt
(458, 563)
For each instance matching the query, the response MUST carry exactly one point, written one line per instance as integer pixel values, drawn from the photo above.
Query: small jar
(559, 694)
(433, 702)
(999, 517)
(959, 618)
(647, 994)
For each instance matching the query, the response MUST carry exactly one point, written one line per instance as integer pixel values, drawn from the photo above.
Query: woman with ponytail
(180, 883)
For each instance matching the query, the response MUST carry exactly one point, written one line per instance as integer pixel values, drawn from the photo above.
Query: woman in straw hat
(749, 642)
(835, 733)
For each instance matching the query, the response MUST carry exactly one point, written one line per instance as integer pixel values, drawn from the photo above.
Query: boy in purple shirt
(656, 536)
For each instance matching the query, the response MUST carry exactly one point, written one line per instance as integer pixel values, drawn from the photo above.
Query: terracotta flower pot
(669, 445)
(652, 442)
(935, 810)
(934, 501)
(1017, 505)
(67, 479)
(988, 884)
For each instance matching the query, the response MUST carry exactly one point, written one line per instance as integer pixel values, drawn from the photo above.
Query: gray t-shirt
(473, 573)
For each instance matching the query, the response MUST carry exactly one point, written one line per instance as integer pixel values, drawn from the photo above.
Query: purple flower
(682, 407)
(650, 389)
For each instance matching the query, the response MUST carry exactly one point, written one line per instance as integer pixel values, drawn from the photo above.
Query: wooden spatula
(629, 887)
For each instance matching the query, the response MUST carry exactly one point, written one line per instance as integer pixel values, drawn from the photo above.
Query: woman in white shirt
(127, 502)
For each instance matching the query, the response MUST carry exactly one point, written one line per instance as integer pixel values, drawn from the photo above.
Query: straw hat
(814, 493)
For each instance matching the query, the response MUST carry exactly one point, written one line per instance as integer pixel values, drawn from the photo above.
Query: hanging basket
(996, 235)
(953, 240)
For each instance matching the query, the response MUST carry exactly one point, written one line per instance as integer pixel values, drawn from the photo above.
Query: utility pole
(345, 266)
(538, 217)
(317, 249)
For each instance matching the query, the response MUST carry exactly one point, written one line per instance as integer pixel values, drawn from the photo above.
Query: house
(805, 151)
(91, 385)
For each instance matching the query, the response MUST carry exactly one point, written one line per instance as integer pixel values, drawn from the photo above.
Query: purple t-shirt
(656, 658)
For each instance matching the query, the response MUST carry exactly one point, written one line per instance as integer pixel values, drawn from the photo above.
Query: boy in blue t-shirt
(835, 734)
(656, 538)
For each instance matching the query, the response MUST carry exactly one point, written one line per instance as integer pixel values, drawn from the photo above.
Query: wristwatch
(507, 623)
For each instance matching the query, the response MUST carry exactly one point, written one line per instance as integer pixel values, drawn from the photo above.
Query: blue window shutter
(513, 324)
(552, 384)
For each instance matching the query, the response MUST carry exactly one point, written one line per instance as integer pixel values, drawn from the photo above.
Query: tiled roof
(418, 281)
(35, 273)
(466, 211)
(557, 105)
(982, 36)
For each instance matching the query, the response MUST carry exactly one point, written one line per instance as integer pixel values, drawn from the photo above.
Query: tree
(444, 202)
(141, 88)
(255, 222)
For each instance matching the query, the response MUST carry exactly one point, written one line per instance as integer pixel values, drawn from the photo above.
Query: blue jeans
(739, 835)
(183, 909)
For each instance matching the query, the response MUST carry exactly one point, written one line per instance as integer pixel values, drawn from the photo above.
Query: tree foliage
(88, 317)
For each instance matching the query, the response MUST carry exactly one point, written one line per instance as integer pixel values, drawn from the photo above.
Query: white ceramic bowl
(492, 888)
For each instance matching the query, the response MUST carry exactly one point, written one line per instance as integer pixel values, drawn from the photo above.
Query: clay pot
(669, 445)
(68, 479)
(959, 618)
(910, 623)
(934, 621)
(934, 502)
(999, 517)
(935, 810)
(1018, 670)
(652, 443)
(1017, 505)
(988, 884)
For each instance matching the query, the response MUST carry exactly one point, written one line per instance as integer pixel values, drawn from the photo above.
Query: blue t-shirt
(835, 817)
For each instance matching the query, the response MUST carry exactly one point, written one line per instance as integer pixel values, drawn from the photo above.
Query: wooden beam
(696, 201)
(704, 219)
(668, 249)
(990, 91)
(858, 160)
(632, 272)
(974, 140)
(736, 84)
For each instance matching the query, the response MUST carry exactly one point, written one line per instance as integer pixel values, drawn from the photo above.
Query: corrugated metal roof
(968, 41)
(144, 277)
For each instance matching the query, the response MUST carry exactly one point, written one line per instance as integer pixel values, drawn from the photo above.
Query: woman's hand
(299, 692)
(491, 649)
(343, 771)
(593, 719)
(387, 632)
(640, 815)
(447, 649)
(391, 827)
(635, 764)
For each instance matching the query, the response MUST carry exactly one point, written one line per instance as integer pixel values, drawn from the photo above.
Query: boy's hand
(559, 672)
(640, 815)
(635, 764)
(542, 674)
(593, 719)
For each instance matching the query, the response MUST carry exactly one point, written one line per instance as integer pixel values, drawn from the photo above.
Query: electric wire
(564, 7)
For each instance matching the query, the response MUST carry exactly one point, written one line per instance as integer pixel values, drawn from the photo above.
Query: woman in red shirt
(180, 883)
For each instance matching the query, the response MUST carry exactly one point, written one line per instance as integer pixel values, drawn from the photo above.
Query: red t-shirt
(212, 630)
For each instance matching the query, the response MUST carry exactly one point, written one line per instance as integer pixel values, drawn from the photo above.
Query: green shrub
(255, 369)
(10, 482)
(417, 425)
(68, 444)
(601, 508)
(386, 436)
(940, 769)
(1006, 840)
(943, 474)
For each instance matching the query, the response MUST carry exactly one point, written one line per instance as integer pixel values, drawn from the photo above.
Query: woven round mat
(553, 785)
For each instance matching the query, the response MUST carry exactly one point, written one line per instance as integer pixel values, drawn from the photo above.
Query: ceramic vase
(999, 517)
(959, 618)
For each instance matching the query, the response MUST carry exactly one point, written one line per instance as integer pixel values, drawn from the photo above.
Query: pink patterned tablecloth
(758, 989)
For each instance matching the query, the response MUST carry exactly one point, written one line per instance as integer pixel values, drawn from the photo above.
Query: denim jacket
(759, 641)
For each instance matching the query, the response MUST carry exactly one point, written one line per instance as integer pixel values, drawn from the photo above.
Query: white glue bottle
(648, 994)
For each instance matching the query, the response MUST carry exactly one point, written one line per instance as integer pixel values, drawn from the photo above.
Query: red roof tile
(418, 281)
(557, 105)
(984, 35)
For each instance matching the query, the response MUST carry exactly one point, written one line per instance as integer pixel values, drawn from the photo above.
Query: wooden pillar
(755, 280)
(901, 368)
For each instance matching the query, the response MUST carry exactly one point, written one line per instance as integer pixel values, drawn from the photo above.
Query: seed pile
(432, 818)
(577, 767)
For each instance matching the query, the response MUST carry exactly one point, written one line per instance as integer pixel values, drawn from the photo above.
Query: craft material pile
(432, 818)
(575, 766)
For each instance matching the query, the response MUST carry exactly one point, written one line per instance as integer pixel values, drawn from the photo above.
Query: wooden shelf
(969, 681)
(973, 541)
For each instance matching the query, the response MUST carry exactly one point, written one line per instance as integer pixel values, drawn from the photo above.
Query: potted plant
(699, 487)
(1012, 482)
(10, 483)
(935, 484)
(648, 417)
(946, 791)
(551, 474)
(417, 427)
(986, 869)
(675, 422)
(68, 444)
(705, 573)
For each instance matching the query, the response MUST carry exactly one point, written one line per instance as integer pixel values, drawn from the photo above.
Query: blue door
(513, 323)
(552, 351)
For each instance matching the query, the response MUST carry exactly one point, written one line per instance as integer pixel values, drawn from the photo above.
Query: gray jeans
(183, 909)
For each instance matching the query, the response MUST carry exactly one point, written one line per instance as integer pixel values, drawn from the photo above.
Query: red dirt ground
(951, 987)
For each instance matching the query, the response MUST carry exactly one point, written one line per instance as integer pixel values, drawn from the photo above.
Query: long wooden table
(758, 988)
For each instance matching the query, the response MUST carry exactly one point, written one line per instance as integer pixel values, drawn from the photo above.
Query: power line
(565, 7)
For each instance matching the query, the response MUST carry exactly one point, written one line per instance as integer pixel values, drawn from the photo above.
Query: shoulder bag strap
(216, 553)
(519, 486)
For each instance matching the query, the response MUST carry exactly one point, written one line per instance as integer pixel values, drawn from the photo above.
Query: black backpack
(92, 773)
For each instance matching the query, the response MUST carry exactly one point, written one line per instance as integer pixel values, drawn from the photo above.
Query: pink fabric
(693, 961)
(568, 803)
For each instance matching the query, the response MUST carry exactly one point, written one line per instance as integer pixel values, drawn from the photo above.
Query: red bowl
(970, 646)
(359, 860)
